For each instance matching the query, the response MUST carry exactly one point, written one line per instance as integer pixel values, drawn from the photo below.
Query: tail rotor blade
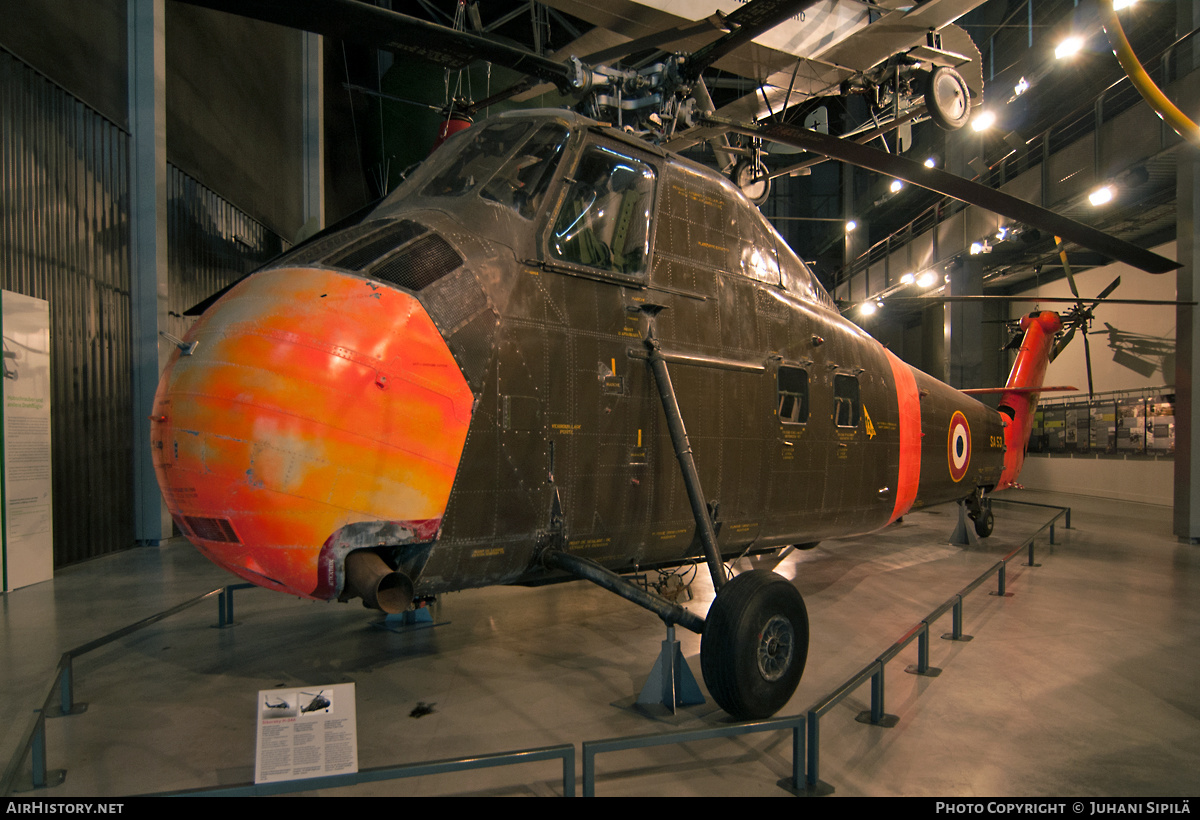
(1087, 353)
(1104, 293)
(1058, 348)
(1062, 255)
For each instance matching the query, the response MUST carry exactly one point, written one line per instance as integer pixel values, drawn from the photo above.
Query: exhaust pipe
(380, 587)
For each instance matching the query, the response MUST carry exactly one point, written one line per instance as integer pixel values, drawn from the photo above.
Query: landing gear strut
(754, 642)
(980, 508)
(755, 639)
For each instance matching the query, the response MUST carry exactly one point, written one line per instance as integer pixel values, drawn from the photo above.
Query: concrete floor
(1084, 682)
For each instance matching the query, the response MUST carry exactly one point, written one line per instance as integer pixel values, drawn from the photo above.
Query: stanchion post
(66, 697)
(37, 756)
(877, 695)
(813, 726)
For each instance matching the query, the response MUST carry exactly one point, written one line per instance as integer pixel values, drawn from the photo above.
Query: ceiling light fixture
(983, 120)
(1068, 47)
(1102, 195)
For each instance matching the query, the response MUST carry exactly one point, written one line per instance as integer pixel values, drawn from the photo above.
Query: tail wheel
(947, 98)
(755, 644)
(984, 522)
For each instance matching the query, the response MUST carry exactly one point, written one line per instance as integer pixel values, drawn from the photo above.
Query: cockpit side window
(523, 180)
(604, 221)
(479, 160)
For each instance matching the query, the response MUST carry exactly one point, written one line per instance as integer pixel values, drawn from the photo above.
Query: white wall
(1151, 330)
(1154, 326)
(1150, 481)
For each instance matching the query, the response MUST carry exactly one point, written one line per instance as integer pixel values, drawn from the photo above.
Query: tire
(751, 179)
(755, 645)
(984, 523)
(947, 98)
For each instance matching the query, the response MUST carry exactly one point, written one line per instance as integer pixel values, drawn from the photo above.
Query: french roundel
(958, 446)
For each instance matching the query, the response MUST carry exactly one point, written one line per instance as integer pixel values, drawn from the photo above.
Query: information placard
(310, 732)
(27, 498)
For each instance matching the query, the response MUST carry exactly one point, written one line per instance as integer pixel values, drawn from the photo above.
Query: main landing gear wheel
(755, 644)
(947, 98)
(750, 176)
(984, 522)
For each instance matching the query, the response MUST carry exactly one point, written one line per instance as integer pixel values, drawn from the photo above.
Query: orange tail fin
(1020, 396)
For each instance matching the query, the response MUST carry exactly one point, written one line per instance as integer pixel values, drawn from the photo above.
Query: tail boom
(1024, 386)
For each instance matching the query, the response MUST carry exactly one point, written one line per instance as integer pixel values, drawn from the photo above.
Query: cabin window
(847, 407)
(605, 218)
(793, 395)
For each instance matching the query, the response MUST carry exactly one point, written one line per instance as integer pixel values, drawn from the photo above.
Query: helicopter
(561, 351)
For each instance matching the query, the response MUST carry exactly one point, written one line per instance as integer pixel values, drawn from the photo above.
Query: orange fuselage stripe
(909, 401)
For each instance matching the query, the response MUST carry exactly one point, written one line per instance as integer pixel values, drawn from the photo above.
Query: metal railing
(795, 724)
(62, 689)
(563, 751)
(805, 727)
(874, 671)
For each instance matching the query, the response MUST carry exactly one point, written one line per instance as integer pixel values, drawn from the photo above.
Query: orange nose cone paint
(311, 401)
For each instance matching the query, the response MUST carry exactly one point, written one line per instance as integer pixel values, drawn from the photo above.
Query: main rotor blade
(950, 185)
(379, 28)
(1035, 299)
(747, 21)
(650, 41)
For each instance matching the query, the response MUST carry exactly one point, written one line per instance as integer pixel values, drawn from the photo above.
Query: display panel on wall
(1124, 424)
(28, 498)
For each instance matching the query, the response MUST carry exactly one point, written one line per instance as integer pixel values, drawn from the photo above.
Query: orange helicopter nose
(312, 400)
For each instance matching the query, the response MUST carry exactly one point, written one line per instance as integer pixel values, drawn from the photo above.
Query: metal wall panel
(64, 237)
(210, 244)
(878, 276)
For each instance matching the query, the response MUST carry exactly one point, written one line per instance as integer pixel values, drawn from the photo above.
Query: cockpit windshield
(604, 221)
(508, 162)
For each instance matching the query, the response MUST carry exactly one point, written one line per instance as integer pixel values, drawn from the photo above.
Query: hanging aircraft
(561, 351)
(645, 68)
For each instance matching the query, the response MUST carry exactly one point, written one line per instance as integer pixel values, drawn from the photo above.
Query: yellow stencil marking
(870, 426)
